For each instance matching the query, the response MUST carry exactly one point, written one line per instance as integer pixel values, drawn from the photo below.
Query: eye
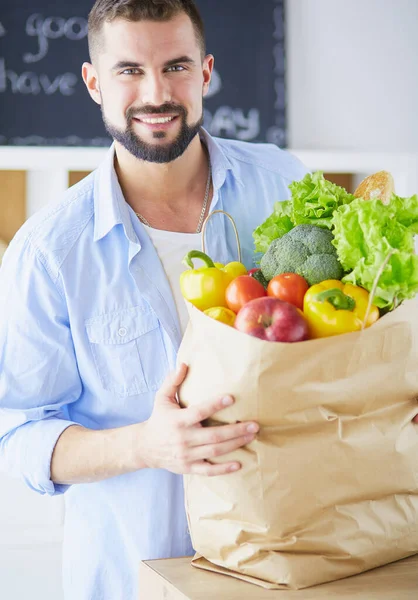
(175, 68)
(132, 71)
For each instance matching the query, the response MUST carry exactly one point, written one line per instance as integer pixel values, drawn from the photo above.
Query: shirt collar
(110, 207)
(219, 161)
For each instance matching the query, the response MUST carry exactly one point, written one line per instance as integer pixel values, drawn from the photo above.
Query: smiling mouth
(155, 120)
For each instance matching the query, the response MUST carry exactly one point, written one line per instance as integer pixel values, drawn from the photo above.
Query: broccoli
(306, 250)
(319, 267)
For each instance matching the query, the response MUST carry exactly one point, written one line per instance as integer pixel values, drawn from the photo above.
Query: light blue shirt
(88, 332)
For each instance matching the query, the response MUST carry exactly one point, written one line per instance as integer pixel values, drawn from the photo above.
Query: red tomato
(289, 287)
(252, 271)
(241, 290)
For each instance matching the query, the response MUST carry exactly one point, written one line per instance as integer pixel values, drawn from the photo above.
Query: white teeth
(160, 120)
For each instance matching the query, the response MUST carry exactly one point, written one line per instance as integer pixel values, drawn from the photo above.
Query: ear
(207, 67)
(91, 80)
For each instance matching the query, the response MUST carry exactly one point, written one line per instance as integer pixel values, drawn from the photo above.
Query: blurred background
(334, 82)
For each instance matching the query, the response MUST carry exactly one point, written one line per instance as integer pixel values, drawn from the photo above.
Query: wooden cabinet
(12, 202)
(76, 176)
(13, 196)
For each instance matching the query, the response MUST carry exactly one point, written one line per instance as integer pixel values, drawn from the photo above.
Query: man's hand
(174, 439)
(415, 419)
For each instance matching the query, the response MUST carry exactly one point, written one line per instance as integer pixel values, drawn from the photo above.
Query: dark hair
(141, 10)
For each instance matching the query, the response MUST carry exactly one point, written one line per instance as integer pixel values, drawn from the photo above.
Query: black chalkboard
(43, 100)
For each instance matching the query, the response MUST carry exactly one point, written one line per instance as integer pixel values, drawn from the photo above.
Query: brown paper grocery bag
(330, 486)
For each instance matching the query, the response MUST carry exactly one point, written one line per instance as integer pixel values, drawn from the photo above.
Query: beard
(155, 153)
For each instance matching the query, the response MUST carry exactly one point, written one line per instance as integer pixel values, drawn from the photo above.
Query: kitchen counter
(176, 579)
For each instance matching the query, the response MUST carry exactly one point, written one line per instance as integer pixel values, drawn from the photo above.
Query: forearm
(85, 456)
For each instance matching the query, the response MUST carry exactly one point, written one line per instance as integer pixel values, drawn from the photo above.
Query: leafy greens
(314, 200)
(365, 232)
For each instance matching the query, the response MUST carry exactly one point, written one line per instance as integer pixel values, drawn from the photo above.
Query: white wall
(31, 528)
(353, 74)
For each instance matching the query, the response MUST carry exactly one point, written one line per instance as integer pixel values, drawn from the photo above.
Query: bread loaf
(379, 185)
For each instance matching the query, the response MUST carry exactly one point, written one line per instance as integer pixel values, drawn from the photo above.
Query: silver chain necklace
(205, 203)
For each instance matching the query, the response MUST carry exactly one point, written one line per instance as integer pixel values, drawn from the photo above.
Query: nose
(155, 89)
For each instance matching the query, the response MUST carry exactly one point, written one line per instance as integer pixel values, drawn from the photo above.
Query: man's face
(151, 83)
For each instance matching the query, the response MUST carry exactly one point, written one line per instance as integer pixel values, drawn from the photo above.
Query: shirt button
(122, 331)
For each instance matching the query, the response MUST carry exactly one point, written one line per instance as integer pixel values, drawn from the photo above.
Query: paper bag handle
(374, 288)
(205, 222)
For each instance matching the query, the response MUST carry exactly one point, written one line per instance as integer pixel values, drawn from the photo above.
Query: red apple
(272, 320)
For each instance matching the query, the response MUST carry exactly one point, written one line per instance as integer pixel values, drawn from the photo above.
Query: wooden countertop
(176, 579)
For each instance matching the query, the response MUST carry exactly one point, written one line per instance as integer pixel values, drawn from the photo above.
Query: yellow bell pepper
(233, 269)
(204, 287)
(332, 307)
(222, 314)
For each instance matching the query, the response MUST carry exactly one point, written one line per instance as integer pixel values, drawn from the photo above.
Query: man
(91, 311)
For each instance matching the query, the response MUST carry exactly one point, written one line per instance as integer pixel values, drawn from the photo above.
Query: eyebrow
(124, 64)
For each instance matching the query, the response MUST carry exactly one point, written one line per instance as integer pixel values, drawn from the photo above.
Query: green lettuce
(313, 201)
(365, 232)
(275, 226)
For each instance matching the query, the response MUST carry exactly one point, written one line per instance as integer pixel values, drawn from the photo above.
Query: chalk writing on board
(227, 121)
(52, 28)
(32, 83)
(44, 30)
(233, 123)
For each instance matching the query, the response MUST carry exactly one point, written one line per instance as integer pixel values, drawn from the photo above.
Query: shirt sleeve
(39, 377)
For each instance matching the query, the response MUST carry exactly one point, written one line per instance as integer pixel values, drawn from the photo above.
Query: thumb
(172, 383)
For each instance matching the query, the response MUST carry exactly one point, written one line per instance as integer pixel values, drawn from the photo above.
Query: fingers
(213, 450)
(215, 435)
(199, 412)
(211, 470)
(172, 382)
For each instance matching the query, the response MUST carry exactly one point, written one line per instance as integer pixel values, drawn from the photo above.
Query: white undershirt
(171, 248)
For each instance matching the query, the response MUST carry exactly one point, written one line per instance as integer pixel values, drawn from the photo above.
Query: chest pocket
(128, 351)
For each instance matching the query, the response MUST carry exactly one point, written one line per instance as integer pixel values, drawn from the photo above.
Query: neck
(151, 187)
